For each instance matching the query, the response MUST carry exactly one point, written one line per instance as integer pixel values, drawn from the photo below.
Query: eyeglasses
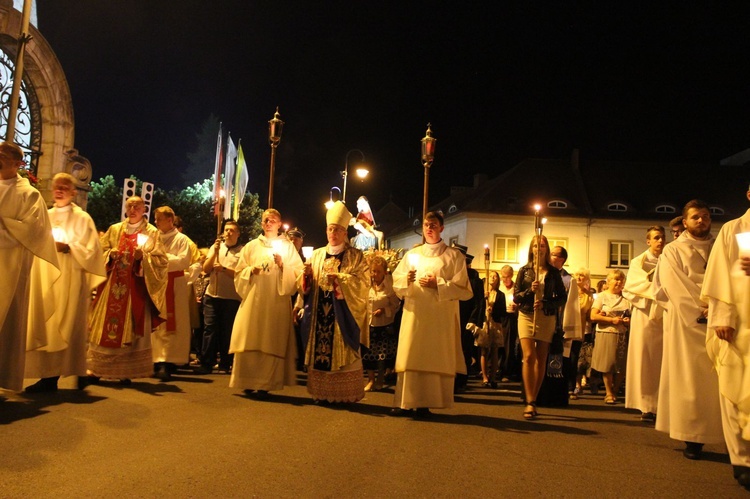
(431, 226)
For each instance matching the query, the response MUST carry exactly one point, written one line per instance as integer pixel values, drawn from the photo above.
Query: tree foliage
(194, 205)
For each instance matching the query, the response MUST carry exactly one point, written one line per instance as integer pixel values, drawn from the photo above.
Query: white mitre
(338, 214)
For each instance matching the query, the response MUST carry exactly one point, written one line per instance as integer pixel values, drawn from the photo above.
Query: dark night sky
(499, 81)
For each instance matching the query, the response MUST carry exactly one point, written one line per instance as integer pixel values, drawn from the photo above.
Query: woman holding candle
(263, 341)
(538, 298)
(335, 284)
(131, 303)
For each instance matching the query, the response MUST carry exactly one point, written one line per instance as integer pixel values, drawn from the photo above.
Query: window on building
(666, 208)
(506, 249)
(715, 210)
(557, 241)
(557, 204)
(619, 254)
(617, 207)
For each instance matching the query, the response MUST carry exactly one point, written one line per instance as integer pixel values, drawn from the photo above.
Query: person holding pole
(539, 292)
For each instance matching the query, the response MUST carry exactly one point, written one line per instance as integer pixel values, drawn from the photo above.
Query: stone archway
(46, 79)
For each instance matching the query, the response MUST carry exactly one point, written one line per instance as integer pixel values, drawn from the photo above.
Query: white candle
(413, 260)
(743, 241)
(59, 235)
(307, 252)
(276, 245)
(141, 240)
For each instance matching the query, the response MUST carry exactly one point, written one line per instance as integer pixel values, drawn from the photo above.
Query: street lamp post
(361, 172)
(275, 126)
(428, 155)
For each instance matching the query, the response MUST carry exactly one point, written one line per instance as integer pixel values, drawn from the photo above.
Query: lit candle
(141, 240)
(413, 260)
(276, 245)
(743, 241)
(307, 252)
(59, 235)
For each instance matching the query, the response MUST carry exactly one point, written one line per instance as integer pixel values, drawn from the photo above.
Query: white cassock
(170, 342)
(263, 342)
(25, 240)
(727, 290)
(82, 269)
(429, 345)
(688, 406)
(646, 335)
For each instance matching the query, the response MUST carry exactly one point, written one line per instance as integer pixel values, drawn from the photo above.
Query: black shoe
(738, 470)
(82, 382)
(163, 373)
(742, 475)
(126, 382)
(44, 385)
(397, 412)
(693, 450)
(493, 385)
(422, 413)
(248, 393)
(261, 394)
(203, 370)
(648, 417)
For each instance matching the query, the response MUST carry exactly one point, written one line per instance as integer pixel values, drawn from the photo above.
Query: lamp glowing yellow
(537, 207)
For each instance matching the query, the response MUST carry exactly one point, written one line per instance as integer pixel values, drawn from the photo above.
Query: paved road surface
(196, 437)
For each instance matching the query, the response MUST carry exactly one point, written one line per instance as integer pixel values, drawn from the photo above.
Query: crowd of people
(262, 311)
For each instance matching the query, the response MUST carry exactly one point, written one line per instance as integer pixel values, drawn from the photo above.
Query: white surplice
(688, 406)
(82, 269)
(25, 241)
(429, 346)
(167, 345)
(646, 335)
(263, 340)
(727, 290)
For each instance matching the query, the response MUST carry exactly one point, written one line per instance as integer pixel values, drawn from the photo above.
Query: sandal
(530, 414)
(610, 400)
